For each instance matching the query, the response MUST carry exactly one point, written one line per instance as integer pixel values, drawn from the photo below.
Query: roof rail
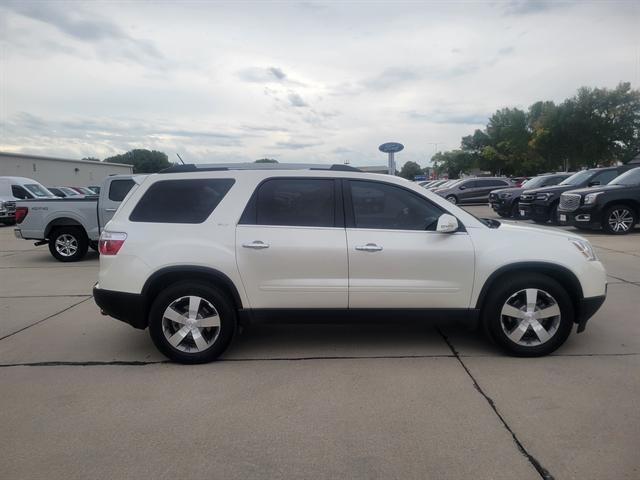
(213, 167)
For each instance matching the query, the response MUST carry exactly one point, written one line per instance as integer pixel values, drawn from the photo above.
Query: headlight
(543, 196)
(591, 198)
(504, 195)
(584, 248)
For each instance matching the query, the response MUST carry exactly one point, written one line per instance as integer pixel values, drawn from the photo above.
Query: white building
(50, 171)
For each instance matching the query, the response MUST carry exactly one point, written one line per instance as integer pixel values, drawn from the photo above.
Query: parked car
(442, 184)
(195, 250)
(70, 226)
(433, 183)
(506, 202)
(17, 188)
(84, 191)
(519, 181)
(615, 207)
(472, 190)
(95, 188)
(65, 192)
(541, 204)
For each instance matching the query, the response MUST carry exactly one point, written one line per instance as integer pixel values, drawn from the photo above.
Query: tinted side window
(491, 183)
(304, 202)
(119, 189)
(553, 181)
(605, 177)
(19, 192)
(469, 184)
(380, 205)
(180, 201)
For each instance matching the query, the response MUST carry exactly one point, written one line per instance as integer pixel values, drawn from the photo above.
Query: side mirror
(461, 187)
(447, 223)
(593, 184)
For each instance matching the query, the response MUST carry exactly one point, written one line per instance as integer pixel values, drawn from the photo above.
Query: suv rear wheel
(529, 316)
(619, 220)
(192, 322)
(68, 244)
(452, 198)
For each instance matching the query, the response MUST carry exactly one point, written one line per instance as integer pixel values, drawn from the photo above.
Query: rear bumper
(587, 307)
(130, 308)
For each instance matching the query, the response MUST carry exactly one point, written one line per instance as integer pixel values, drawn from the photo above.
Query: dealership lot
(85, 396)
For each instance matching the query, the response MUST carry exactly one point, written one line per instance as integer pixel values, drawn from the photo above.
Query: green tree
(143, 160)
(410, 170)
(454, 162)
(266, 160)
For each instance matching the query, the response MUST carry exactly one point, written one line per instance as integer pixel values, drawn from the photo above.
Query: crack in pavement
(623, 280)
(46, 318)
(87, 295)
(98, 363)
(543, 472)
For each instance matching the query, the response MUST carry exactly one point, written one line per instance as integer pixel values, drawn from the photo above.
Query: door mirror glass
(447, 223)
(593, 184)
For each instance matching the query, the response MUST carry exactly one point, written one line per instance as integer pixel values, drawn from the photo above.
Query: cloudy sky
(296, 81)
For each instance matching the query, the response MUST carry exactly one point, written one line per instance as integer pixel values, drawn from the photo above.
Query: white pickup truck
(71, 226)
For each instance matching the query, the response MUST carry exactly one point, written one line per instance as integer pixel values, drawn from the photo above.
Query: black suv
(473, 190)
(541, 204)
(506, 202)
(615, 207)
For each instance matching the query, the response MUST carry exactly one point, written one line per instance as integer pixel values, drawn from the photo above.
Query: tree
(91, 159)
(410, 170)
(143, 160)
(454, 162)
(266, 160)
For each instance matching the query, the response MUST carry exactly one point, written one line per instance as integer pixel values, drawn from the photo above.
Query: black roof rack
(215, 167)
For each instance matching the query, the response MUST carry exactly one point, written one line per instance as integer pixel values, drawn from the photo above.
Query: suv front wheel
(192, 322)
(529, 315)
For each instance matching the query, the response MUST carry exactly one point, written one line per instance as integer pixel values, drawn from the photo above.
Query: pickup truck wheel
(529, 315)
(192, 322)
(68, 244)
(619, 220)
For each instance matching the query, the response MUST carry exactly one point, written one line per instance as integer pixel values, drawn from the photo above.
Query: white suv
(195, 250)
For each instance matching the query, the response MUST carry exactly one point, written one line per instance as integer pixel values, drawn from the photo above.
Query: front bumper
(500, 205)
(582, 217)
(130, 308)
(587, 307)
(534, 211)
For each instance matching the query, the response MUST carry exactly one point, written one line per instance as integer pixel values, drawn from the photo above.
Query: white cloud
(313, 82)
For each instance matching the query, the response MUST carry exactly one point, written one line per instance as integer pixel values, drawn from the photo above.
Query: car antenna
(180, 158)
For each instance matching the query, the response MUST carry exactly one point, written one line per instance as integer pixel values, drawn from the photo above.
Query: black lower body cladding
(130, 308)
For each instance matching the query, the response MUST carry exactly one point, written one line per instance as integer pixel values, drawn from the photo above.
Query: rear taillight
(110, 243)
(21, 213)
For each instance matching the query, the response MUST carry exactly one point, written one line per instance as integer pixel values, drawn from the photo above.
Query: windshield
(630, 178)
(534, 182)
(578, 178)
(38, 190)
(69, 192)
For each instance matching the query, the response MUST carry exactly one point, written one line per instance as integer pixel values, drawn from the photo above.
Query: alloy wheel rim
(620, 220)
(66, 245)
(530, 317)
(452, 200)
(191, 324)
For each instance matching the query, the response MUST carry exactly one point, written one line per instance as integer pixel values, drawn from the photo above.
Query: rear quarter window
(119, 189)
(180, 201)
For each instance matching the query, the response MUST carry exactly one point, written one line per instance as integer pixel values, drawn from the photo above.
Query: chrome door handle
(111, 209)
(256, 245)
(369, 247)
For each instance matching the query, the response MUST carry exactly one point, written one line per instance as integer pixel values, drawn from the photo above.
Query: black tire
(452, 198)
(77, 249)
(553, 216)
(620, 210)
(508, 287)
(220, 337)
(515, 210)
